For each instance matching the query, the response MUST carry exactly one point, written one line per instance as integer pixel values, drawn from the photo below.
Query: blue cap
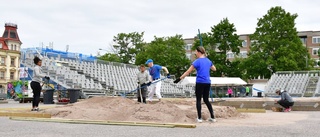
(149, 60)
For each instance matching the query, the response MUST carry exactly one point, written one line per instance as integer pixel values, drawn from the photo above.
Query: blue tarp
(63, 54)
(258, 90)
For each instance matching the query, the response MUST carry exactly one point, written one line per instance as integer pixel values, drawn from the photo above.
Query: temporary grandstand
(296, 83)
(92, 76)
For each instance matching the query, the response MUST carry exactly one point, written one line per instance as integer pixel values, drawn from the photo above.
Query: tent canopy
(216, 81)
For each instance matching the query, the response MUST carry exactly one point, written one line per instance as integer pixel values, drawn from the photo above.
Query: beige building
(10, 46)
(310, 39)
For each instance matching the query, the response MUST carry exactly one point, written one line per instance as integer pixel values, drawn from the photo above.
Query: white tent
(216, 81)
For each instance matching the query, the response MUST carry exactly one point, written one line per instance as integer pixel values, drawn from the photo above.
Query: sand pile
(123, 109)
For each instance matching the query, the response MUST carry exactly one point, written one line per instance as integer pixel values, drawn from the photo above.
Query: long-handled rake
(140, 93)
(140, 87)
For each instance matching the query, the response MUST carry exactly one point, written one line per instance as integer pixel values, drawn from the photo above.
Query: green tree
(222, 40)
(128, 45)
(110, 57)
(275, 45)
(168, 52)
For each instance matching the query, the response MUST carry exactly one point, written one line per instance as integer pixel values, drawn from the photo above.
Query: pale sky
(87, 25)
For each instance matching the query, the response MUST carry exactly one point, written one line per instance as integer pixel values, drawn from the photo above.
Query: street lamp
(108, 51)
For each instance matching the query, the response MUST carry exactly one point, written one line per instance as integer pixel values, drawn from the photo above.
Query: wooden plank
(251, 110)
(3, 101)
(25, 114)
(122, 123)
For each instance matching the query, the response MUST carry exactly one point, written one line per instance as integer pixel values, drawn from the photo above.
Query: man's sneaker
(199, 120)
(286, 110)
(212, 120)
(289, 109)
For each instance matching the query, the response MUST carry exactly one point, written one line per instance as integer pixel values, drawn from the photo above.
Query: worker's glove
(177, 80)
(168, 75)
(149, 83)
(46, 77)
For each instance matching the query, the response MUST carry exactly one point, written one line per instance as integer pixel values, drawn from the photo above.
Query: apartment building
(310, 39)
(10, 46)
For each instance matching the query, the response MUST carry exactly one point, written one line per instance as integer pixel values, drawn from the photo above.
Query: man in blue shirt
(154, 71)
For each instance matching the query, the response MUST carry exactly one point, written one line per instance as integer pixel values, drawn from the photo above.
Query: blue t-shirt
(202, 65)
(154, 71)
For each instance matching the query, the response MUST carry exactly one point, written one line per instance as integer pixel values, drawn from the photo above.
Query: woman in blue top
(203, 65)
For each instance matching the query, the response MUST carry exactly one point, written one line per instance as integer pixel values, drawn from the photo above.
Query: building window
(230, 55)
(0, 45)
(1, 74)
(11, 75)
(189, 56)
(11, 47)
(3, 61)
(13, 34)
(316, 39)
(188, 46)
(315, 51)
(303, 40)
(244, 43)
(15, 47)
(12, 62)
(243, 54)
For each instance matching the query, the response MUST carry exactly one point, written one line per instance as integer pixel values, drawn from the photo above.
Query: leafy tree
(221, 40)
(110, 57)
(168, 52)
(275, 45)
(128, 45)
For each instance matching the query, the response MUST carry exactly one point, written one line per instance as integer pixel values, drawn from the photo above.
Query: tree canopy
(110, 57)
(222, 40)
(166, 51)
(128, 45)
(275, 45)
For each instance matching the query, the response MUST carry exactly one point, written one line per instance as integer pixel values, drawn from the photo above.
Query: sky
(89, 25)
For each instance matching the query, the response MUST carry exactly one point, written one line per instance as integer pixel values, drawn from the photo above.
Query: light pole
(270, 69)
(107, 51)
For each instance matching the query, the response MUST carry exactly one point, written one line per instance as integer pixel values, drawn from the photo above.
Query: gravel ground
(306, 127)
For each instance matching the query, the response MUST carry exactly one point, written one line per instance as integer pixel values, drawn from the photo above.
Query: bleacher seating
(297, 83)
(97, 77)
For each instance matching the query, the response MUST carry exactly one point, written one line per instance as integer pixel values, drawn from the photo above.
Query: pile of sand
(123, 109)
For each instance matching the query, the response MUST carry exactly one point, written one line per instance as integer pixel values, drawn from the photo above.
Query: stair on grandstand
(317, 92)
(86, 75)
(47, 72)
(59, 79)
(92, 93)
(170, 90)
(311, 87)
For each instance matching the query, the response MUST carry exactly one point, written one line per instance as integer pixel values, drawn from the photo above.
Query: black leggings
(286, 104)
(36, 88)
(202, 90)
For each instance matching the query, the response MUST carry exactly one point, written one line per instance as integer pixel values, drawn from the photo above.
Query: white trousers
(155, 88)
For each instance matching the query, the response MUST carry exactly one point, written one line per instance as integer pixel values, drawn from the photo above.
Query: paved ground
(296, 123)
(304, 128)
